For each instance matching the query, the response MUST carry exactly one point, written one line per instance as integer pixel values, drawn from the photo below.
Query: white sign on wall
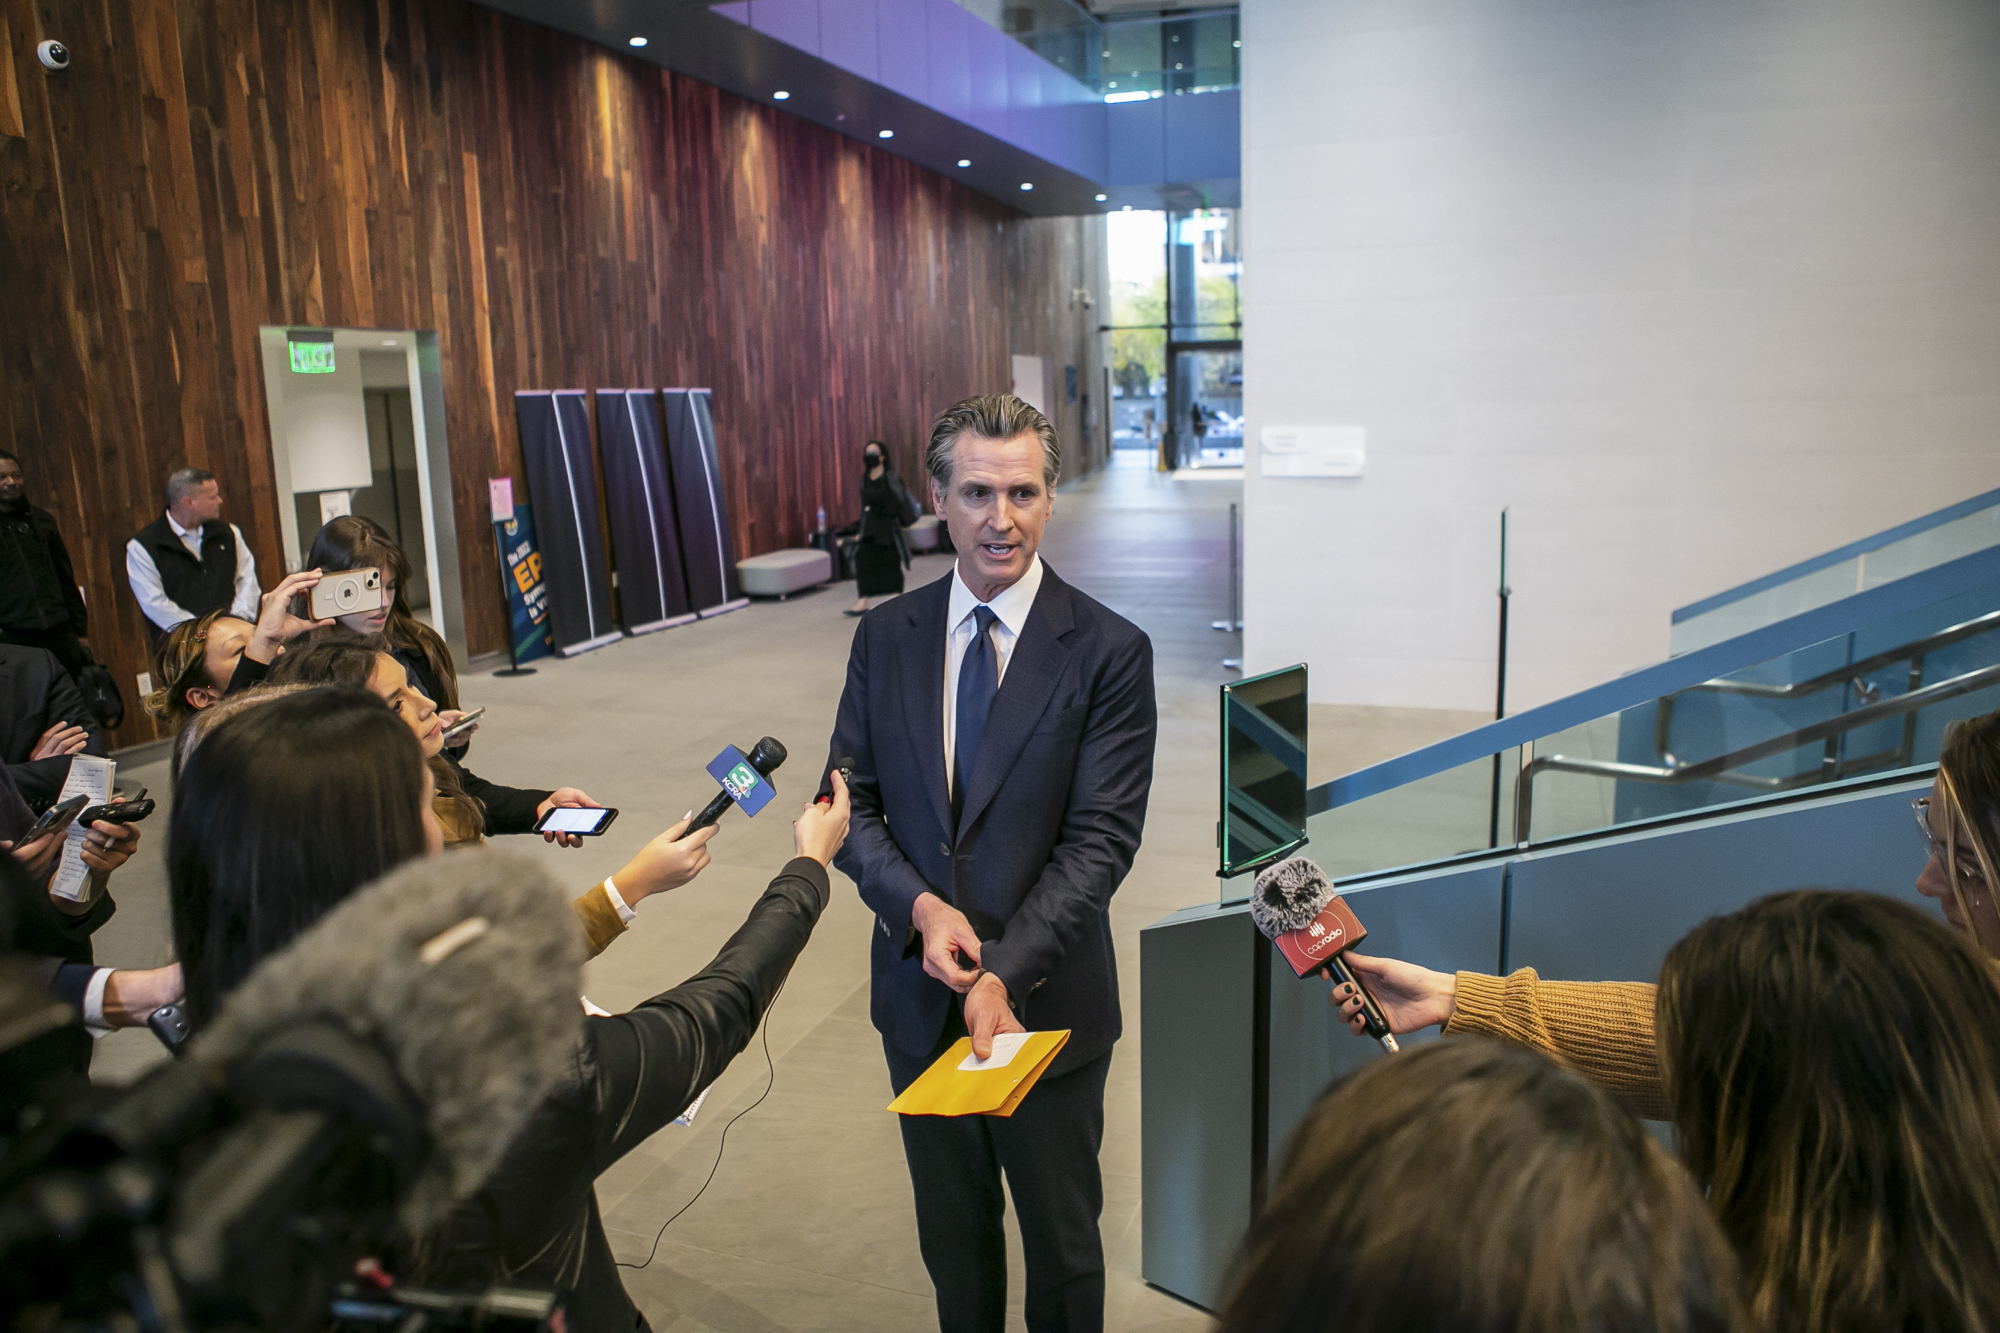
(1313, 451)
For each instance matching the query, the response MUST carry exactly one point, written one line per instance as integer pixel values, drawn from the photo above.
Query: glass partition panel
(1867, 702)
(1815, 587)
(1444, 815)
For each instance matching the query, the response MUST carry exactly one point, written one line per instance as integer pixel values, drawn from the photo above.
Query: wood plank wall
(561, 216)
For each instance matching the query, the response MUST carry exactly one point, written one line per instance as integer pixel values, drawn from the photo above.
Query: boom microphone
(765, 758)
(1294, 905)
(463, 970)
(356, 1086)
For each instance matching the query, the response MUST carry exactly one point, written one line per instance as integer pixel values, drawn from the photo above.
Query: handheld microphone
(1294, 905)
(737, 785)
(845, 766)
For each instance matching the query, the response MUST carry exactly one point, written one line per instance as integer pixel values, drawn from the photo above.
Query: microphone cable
(723, 1143)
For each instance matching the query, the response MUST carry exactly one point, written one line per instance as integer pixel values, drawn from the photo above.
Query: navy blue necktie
(978, 682)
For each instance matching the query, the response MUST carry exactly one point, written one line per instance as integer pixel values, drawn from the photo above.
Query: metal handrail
(1717, 768)
(1872, 606)
(1912, 652)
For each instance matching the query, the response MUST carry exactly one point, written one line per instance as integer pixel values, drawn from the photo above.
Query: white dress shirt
(163, 610)
(1011, 606)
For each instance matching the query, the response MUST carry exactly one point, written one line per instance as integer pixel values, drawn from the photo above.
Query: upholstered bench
(923, 534)
(782, 573)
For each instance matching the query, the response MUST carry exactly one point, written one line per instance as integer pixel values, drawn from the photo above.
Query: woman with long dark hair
(882, 552)
(1832, 1063)
(285, 809)
(354, 542)
(1471, 1187)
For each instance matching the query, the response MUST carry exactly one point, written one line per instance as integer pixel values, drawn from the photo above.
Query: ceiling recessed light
(885, 134)
(388, 342)
(1128, 208)
(635, 41)
(779, 96)
(1027, 185)
(1237, 45)
(1101, 198)
(965, 161)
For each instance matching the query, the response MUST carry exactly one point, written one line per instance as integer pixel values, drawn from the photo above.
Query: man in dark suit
(1001, 728)
(43, 721)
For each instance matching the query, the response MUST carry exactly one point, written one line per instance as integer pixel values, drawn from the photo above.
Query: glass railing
(1125, 59)
(1861, 686)
(1972, 525)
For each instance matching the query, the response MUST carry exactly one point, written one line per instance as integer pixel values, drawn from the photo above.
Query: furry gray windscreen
(480, 1036)
(1288, 896)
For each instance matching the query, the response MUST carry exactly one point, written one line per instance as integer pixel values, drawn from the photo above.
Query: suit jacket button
(944, 849)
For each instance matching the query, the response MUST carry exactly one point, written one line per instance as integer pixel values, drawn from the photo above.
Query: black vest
(197, 586)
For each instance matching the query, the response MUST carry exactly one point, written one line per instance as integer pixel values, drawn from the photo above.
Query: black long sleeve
(652, 1061)
(508, 809)
(536, 1222)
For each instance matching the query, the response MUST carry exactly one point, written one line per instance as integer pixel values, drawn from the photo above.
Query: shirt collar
(180, 531)
(1011, 604)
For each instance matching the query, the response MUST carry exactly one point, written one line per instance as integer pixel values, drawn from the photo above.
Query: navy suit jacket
(1048, 827)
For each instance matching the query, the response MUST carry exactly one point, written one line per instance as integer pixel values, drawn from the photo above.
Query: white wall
(1699, 287)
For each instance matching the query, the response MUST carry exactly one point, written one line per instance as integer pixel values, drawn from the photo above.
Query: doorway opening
(357, 427)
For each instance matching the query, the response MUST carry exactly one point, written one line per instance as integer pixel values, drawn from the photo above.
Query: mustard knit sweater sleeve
(601, 923)
(1601, 1029)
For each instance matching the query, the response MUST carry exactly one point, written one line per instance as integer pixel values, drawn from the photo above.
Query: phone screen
(565, 820)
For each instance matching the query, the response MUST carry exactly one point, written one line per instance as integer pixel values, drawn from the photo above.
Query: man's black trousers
(1048, 1149)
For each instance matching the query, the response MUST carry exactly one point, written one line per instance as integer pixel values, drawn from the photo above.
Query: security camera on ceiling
(53, 54)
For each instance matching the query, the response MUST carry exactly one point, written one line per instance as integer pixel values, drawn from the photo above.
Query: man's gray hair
(183, 482)
(996, 416)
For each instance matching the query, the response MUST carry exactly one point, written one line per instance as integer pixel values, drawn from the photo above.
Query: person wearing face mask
(40, 605)
(1605, 1029)
(882, 552)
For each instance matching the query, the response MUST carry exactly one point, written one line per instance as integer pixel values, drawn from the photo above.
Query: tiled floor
(807, 1223)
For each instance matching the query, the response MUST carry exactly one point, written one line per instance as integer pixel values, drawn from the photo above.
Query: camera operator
(287, 808)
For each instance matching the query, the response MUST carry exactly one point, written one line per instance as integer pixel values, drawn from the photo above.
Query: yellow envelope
(945, 1089)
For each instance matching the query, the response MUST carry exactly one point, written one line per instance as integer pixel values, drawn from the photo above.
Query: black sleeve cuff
(813, 873)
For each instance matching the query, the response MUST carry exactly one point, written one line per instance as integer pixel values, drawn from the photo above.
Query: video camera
(259, 1193)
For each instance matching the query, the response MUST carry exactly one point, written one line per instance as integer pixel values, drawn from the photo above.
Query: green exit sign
(312, 356)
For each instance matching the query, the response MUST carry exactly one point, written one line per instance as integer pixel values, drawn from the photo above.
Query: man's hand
(945, 929)
(987, 1014)
(1411, 997)
(64, 738)
(821, 828)
(106, 846)
(36, 857)
(276, 625)
(132, 994)
(569, 798)
(664, 864)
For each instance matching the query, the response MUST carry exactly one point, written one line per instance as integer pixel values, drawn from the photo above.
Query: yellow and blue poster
(527, 593)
